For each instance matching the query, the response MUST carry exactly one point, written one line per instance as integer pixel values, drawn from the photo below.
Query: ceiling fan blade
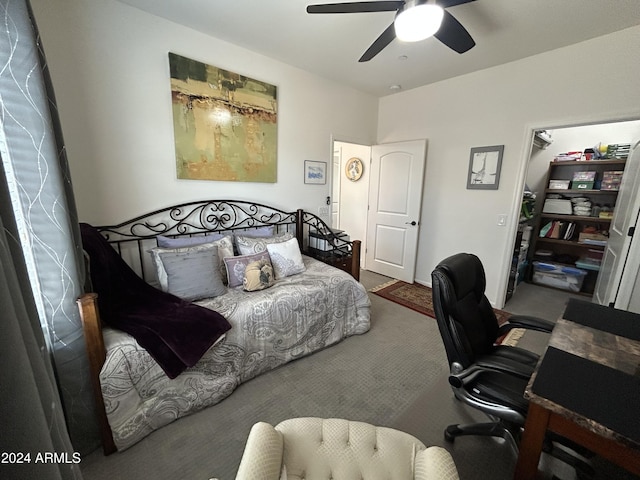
(454, 35)
(382, 41)
(452, 3)
(356, 7)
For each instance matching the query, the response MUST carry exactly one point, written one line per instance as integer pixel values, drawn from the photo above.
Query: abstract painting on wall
(225, 124)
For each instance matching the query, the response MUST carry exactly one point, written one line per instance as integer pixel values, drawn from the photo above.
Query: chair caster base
(451, 432)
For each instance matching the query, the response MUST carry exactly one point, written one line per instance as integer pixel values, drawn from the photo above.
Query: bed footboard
(96, 352)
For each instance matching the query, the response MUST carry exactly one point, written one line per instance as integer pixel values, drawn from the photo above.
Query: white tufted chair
(326, 449)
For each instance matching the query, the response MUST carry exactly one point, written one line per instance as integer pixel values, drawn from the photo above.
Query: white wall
(110, 71)
(502, 106)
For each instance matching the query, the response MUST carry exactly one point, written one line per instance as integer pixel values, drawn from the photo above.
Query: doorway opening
(534, 243)
(349, 199)
(377, 194)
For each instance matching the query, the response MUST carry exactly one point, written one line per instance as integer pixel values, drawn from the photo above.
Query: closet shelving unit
(565, 251)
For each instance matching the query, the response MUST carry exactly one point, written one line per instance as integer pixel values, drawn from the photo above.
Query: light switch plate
(323, 210)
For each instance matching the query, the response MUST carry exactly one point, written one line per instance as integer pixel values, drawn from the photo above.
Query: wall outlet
(323, 210)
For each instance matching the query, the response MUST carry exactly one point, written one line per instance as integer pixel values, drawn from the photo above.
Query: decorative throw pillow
(190, 273)
(258, 276)
(180, 242)
(237, 265)
(248, 245)
(286, 258)
(223, 243)
(266, 231)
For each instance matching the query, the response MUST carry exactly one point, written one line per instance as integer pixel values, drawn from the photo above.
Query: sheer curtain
(42, 255)
(31, 418)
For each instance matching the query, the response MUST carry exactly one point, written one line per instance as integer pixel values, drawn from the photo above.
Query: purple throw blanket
(175, 332)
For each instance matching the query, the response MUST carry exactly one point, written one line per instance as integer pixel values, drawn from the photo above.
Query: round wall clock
(353, 169)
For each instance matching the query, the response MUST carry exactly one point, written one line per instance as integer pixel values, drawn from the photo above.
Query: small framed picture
(315, 172)
(484, 167)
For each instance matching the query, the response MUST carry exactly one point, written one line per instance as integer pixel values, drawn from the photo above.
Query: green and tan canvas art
(225, 124)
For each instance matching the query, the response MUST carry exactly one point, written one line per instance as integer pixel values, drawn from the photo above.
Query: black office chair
(486, 376)
(489, 377)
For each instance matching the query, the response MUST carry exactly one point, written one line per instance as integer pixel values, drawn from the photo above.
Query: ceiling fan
(415, 20)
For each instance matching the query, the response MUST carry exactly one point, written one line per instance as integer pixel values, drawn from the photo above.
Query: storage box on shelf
(575, 221)
(558, 184)
(583, 180)
(331, 247)
(611, 180)
(320, 240)
(558, 276)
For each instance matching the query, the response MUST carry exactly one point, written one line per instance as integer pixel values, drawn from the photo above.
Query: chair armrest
(262, 457)
(528, 322)
(435, 463)
(490, 364)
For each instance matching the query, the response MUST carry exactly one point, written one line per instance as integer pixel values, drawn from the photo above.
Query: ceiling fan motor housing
(417, 20)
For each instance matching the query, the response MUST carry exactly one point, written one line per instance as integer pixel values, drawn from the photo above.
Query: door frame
(359, 142)
(525, 155)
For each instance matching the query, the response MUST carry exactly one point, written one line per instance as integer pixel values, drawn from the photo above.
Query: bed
(206, 346)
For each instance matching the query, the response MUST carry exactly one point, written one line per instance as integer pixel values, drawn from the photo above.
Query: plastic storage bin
(558, 276)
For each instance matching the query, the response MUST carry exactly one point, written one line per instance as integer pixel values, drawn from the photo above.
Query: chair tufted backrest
(466, 320)
(324, 449)
(319, 449)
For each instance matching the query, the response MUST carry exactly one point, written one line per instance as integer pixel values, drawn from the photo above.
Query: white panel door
(395, 199)
(610, 287)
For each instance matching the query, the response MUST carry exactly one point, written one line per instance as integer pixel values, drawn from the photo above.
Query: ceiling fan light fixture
(417, 22)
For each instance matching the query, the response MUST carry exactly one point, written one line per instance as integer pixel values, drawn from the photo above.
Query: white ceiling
(330, 45)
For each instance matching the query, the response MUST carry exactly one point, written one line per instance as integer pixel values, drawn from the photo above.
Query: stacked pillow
(237, 265)
(192, 272)
(198, 267)
(286, 258)
(248, 245)
(258, 275)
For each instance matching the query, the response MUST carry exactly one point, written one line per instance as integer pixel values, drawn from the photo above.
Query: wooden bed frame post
(355, 259)
(299, 228)
(96, 352)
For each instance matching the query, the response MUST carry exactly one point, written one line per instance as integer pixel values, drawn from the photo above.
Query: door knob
(413, 223)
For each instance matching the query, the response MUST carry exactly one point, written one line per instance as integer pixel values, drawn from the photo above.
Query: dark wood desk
(586, 387)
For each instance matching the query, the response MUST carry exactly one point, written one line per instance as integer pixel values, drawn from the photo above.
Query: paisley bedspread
(298, 315)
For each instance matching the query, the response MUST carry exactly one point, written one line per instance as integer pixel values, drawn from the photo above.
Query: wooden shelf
(571, 243)
(569, 191)
(575, 218)
(595, 163)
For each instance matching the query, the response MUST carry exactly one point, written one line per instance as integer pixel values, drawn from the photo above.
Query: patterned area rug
(419, 298)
